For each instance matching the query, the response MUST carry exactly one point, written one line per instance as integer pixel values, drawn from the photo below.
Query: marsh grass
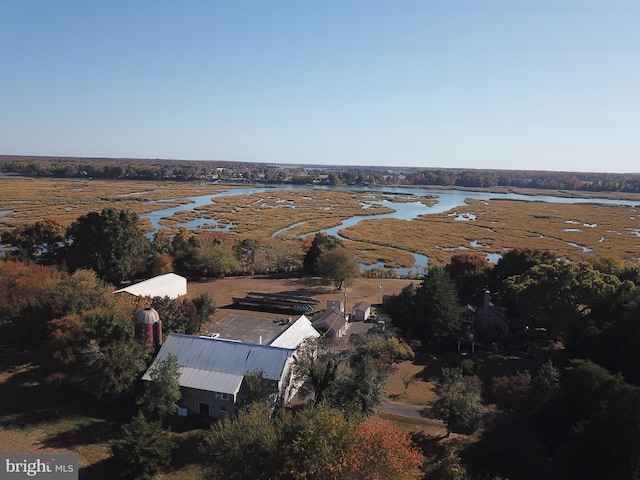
(29, 200)
(499, 225)
(504, 224)
(263, 214)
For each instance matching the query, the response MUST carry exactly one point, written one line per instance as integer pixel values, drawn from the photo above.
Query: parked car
(211, 335)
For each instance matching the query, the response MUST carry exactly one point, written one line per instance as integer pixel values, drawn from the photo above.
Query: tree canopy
(380, 450)
(162, 393)
(320, 244)
(469, 272)
(338, 266)
(428, 312)
(458, 403)
(142, 450)
(39, 242)
(111, 243)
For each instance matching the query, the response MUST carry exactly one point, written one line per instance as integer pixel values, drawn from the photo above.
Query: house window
(222, 396)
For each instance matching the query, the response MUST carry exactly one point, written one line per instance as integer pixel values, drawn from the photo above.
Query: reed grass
(500, 225)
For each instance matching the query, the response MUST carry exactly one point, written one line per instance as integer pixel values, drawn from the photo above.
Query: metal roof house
(167, 285)
(212, 371)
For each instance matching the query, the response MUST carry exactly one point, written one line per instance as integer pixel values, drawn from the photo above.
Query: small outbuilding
(167, 285)
(360, 312)
(333, 321)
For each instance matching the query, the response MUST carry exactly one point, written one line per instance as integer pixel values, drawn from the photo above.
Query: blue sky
(547, 85)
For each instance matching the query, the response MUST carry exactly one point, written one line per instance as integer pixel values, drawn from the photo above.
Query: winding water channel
(444, 200)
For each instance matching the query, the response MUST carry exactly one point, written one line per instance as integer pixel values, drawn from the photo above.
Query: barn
(167, 285)
(212, 371)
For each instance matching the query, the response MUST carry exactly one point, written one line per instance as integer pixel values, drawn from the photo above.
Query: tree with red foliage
(380, 451)
(468, 271)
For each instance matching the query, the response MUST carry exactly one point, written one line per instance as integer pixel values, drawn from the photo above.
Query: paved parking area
(248, 329)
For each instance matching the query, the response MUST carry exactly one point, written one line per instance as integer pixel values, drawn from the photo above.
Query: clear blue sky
(517, 84)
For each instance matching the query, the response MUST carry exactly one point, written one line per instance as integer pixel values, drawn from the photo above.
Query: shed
(360, 312)
(167, 285)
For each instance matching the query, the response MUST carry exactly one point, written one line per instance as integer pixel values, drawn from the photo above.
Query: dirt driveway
(224, 290)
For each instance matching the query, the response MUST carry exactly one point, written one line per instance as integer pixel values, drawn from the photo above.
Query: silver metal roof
(210, 381)
(219, 365)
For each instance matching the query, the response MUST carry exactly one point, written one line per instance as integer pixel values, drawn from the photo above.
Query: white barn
(167, 285)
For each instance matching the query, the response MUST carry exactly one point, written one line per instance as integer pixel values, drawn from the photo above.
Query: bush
(468, 366)
(512, 388)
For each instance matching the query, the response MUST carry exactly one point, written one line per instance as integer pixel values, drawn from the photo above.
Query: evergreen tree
(321, 243)
(143, 450)
(435, 316)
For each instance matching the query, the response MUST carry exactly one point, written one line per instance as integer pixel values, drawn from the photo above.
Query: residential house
(483, 322)
(490, 317)
(332, 321)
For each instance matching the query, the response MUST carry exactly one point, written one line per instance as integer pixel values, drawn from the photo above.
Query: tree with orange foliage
(380, 451)
(22, 289)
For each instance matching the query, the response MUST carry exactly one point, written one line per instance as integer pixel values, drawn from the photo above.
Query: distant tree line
(178, 170)
(588, 182)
